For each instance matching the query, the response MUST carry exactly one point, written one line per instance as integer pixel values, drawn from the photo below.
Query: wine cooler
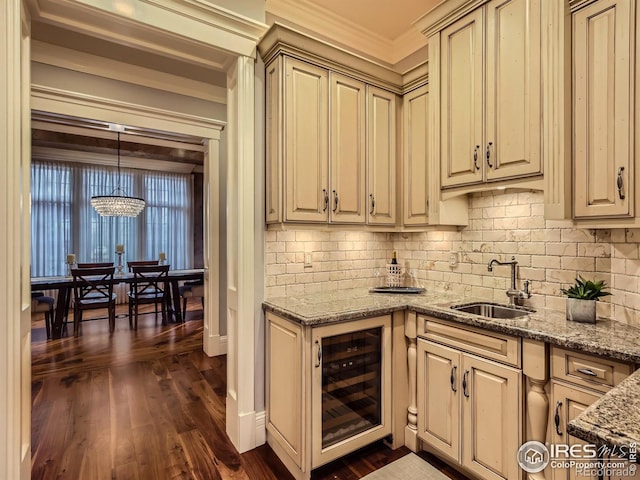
(352, 388)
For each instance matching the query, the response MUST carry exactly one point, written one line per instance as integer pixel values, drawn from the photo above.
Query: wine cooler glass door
(352, 383)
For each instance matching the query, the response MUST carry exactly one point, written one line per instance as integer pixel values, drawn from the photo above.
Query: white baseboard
(215, 345)
(261, 428)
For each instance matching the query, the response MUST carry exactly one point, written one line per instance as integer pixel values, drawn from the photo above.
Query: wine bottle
(394, 259)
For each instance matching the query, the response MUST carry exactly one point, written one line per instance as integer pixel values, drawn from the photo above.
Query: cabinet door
(439, 397)
(415, 170)
(603, 109)
(273, 154)
(461, 101)
(491, 418)
(513, 119)
(567, 402)
(285, 412)
(381, 156)
(306, 142)
(347, 196)
(351, 387)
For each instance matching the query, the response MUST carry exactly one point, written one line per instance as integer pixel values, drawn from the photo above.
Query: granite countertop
(614, 419)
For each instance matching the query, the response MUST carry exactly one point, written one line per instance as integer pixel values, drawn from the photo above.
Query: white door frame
(185, 30)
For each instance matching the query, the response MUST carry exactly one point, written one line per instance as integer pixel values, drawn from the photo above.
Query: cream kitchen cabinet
(328, 389)
(331, 141)
(381, 154)
(486, 77)
(604, 106)
(415, 172)
(577, 381)
(331, 134)
(469, 407)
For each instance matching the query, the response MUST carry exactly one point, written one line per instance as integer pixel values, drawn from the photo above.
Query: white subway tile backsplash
(550, 253)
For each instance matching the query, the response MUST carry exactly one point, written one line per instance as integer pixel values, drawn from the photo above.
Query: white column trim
(14, 434)
(241, 426)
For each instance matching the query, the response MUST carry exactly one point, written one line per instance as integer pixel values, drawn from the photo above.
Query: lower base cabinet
(578, 380)
(328, 389)
(469, 407)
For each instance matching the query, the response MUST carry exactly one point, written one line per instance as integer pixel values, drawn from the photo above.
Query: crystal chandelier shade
(118, 204)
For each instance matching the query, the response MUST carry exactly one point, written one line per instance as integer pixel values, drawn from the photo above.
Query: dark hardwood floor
(149, 404)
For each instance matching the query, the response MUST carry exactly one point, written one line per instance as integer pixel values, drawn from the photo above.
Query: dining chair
(94, 265)
(40, 303)
(191, 290)
(93, 289)
(150, 284)
(141, 263)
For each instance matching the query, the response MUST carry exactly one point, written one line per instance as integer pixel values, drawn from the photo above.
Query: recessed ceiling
(390, 19)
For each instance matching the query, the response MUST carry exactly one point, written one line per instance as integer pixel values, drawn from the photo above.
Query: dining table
(64, 287)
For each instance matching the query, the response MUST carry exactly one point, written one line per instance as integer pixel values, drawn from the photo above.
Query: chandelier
(118, 204)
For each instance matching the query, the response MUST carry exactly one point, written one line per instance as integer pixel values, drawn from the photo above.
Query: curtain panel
(63, 220)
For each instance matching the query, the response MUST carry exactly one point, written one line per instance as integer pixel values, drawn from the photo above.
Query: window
(63, 220)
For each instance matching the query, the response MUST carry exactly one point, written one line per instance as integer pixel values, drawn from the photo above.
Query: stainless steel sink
(493, 310)
(414, 290)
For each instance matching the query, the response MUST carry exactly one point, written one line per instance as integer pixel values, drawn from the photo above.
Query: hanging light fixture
(118, 204)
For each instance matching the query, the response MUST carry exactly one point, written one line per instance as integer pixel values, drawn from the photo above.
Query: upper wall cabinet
(603, 47)
(331, 136)
(485, 75)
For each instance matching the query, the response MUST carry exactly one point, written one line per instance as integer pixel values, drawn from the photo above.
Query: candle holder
(119, 269)
(69, 267)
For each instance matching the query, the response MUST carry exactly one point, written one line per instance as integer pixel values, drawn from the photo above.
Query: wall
(549, 253)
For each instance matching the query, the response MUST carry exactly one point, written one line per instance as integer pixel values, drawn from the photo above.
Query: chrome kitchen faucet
(515, 296)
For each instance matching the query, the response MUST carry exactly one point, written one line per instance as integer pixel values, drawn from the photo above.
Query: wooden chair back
(94, 265)
(141, 263)
(149, 280)
(93, 285)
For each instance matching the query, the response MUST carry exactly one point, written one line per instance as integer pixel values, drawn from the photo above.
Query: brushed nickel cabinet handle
(325, 196)
(319, 361)
(464, 383)
(587, 371)
(620, 183)
(452, 379)
(335, 201)
(373, 203)
(556, 418)
(475, 157)
(489, 154)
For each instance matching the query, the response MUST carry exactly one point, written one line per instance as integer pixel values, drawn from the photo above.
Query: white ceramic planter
(581, 310)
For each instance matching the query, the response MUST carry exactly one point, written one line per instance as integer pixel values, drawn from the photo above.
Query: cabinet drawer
(587, 370)
(492, 345)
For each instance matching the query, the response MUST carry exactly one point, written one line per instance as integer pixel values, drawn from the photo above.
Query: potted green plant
(582, 297)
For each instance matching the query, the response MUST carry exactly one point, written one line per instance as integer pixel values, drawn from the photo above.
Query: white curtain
(63, 220)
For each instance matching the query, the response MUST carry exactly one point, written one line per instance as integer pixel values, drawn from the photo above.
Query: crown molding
(318, 19)
(444, 14)
(195, 31)
(115, 70)
(283, 39)
(407, 43)
(329, 25)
